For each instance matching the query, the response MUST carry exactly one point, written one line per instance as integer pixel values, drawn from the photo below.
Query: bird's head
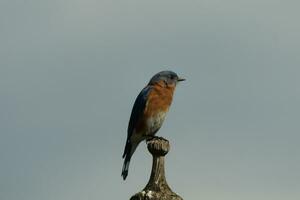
(166, 78)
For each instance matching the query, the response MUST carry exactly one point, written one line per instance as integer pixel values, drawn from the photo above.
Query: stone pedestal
(157, 187)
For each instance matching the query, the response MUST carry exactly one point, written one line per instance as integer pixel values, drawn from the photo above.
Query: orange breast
(159, 100)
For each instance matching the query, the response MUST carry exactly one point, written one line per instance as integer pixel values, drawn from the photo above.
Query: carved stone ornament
(157, 187)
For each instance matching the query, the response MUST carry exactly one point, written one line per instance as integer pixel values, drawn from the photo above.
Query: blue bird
(148, 112)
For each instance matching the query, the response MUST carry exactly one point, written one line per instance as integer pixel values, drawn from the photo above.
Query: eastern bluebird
(148, 112)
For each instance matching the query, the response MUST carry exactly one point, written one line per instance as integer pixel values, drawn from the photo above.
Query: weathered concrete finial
(157, 187)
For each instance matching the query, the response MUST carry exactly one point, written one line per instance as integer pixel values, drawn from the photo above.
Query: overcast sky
(70, 71)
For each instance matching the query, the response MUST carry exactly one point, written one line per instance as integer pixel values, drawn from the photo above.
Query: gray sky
(70, 71)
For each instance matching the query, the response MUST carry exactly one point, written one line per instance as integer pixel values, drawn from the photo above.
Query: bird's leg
(154, 137)
(149, 138)
(161, 138)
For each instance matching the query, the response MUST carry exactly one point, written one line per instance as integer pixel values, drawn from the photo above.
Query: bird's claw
(155, 137)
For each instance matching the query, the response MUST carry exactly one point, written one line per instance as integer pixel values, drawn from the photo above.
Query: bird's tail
(129, 150)
(126, 166)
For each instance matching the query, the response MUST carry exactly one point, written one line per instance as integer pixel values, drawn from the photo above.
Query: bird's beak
(181, 79)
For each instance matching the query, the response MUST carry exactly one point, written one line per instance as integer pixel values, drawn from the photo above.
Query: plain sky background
(70, 71)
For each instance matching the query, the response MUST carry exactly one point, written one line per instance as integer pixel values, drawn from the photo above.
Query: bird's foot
(155, 137)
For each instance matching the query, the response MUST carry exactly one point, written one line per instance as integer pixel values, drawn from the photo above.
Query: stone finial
(158, 146)
(157, 187)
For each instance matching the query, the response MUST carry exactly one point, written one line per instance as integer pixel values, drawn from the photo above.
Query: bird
(149, 112)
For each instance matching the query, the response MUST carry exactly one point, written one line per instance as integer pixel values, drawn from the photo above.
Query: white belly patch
(155, 122)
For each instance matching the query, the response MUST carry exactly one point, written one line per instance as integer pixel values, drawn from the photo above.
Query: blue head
(168, 78)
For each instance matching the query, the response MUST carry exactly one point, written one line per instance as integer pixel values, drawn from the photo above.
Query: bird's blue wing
(136, 113)
(137, 110)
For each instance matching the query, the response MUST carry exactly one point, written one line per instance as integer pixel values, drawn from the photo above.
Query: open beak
(181, 79)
